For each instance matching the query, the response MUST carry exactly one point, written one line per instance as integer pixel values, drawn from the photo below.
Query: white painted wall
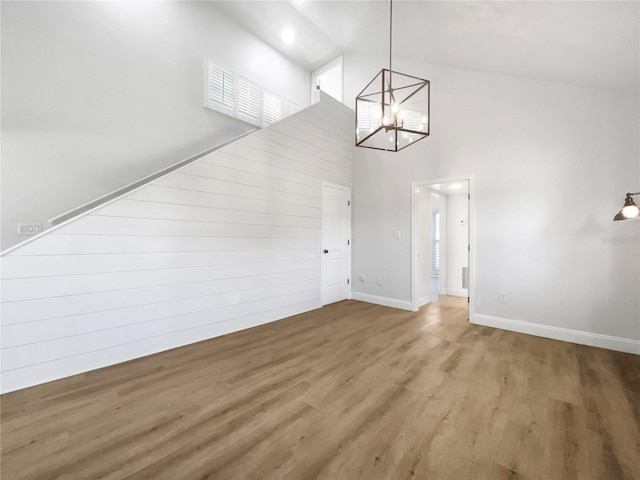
(457, 238)
(228, 242)
(551, 163)
(96, 95)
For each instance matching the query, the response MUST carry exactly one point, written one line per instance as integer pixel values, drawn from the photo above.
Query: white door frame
(472, 237)
(346, 189)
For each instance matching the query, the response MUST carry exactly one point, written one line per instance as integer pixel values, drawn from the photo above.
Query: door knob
(326, 251)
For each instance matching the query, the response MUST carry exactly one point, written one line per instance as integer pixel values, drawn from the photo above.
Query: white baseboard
(458, 292)
(442, 291)
(386, 301)
(424, 300)
(609, 342)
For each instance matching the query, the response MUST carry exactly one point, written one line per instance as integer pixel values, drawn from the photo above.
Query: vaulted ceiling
(587, 43)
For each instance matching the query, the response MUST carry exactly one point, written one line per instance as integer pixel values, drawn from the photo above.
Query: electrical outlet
(396, 235)
(379, 281)
(502, 296)
(29, 228)
(362, 278)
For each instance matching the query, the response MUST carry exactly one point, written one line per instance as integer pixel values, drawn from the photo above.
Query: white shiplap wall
(228, 242)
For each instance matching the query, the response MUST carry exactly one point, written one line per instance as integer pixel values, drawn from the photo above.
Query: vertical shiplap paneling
(228, 242)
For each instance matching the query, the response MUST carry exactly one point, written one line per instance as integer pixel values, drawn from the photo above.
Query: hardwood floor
(351, 391)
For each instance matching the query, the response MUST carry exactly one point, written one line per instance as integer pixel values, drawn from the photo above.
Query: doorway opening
(442, 240)
(330, 79)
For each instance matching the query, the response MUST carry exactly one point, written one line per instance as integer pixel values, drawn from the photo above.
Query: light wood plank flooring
(351, 391)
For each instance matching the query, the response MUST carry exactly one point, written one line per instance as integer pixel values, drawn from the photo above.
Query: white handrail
(74, 212)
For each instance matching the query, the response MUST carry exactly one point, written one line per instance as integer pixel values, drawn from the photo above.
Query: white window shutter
(369, 116)
(271, 108)
(248, 101)
(414, 120)
(234, 95)
(220, 88)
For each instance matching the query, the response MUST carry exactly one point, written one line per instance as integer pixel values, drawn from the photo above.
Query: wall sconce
(630, 210)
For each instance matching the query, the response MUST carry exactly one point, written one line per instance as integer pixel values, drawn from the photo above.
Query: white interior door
(336, 243)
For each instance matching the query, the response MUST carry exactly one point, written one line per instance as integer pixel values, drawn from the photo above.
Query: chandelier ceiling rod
(390, 31)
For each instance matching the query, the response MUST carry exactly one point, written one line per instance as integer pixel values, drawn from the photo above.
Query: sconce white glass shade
(631, 211)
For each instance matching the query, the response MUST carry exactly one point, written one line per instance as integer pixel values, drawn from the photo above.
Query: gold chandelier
(392, 112)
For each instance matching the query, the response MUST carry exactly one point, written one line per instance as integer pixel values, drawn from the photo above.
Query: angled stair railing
(61, 219)
(68, 215)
